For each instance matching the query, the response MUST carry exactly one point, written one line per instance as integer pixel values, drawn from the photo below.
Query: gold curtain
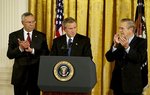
(97, 19)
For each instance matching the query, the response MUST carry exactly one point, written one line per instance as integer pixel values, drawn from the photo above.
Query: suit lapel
(34, 38)
(64, 42)
(21, 35)
(75, 44)
(133, 41)
(75, 41)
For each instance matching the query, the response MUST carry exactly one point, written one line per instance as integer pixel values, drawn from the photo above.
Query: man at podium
(70, 44)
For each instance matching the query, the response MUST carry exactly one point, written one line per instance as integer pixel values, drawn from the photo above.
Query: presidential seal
(63, 71)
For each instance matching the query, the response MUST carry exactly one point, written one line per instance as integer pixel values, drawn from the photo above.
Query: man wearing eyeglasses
(129, 53)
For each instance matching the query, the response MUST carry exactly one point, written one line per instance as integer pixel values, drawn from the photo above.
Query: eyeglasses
(30, 22)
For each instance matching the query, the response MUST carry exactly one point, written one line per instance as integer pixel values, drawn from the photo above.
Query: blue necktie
(69, 46)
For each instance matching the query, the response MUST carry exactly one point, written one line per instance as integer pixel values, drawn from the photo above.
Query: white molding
(10, 20)
(5, 75)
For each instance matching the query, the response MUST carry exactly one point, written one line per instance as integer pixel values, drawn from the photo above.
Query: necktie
(28, 37)
(69, 46)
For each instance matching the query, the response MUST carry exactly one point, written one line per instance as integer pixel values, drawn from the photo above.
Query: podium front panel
(83, 78)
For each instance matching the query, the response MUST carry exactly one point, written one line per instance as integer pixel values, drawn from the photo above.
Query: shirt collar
(69, 38)
(130, 39)
(25, 32)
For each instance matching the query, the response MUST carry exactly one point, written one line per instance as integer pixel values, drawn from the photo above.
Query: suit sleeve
(87, 49)
(13, 47)
(138, 53)
(54, 48)
(118, 54)
(43, 50)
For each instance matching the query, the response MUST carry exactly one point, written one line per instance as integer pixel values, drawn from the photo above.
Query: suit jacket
(80, 47)
(26, 64)
(127, 75)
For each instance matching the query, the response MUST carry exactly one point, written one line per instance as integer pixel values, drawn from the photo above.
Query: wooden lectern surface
(63, 93)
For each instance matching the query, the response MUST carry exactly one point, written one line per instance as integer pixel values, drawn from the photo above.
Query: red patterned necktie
(28, 37)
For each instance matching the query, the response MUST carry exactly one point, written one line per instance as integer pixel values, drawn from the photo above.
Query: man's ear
(63, 27)
(131, 30)
(63, 30)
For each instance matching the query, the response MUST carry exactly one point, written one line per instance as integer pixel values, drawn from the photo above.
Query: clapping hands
(121, 39)
(24, 45)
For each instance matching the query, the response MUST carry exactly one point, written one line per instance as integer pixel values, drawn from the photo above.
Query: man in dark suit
(70, 44)
(129, 53)
(80, 45)
(25, 47)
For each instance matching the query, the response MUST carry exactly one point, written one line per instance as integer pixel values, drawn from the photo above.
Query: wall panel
(10, 20)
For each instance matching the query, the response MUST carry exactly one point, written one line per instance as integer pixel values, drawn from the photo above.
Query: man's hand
(24, 45)
(124, 41)
(29, 49)
(116, 40)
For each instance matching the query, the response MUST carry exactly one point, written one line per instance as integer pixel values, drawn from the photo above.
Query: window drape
(97, 19)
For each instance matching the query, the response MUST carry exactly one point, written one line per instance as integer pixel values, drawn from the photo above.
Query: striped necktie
(28, 37)
(69, 46)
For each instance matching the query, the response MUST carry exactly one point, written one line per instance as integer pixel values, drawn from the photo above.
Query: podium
(66, 74)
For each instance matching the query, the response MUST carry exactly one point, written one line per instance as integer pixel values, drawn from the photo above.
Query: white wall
(10, 20)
